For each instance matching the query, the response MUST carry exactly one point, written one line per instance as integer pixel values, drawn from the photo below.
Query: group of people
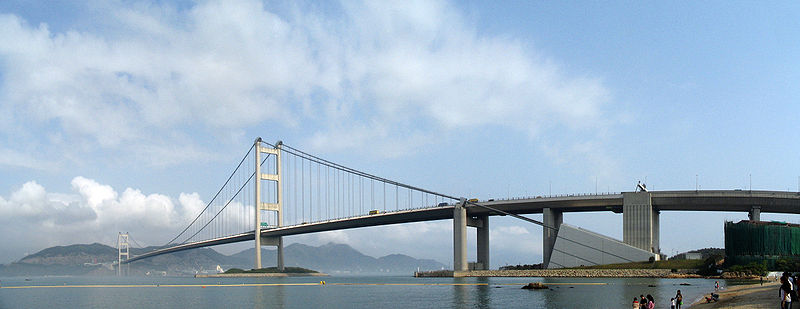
(713, 297)
(788, 290)
(647, 302)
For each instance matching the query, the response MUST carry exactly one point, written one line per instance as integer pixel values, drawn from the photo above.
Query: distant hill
(704, 253)
(339, 258)
(72, 255)
(82, 259)
(98, 259)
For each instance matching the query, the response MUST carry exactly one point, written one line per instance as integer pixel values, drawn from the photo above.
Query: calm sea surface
(338, 292)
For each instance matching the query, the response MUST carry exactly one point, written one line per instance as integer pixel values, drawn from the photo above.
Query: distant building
(694, 256)
(757, 241)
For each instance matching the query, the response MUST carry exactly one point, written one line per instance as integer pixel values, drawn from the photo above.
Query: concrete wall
(576, 247)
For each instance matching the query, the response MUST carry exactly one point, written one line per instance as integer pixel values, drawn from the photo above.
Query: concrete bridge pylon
(460, 223)
(640, 221)
(277, 206)
(553, 218)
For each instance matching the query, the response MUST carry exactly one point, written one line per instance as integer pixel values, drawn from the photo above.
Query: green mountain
(72, 255)
(340, 259)
(82, 259)
(99, 259)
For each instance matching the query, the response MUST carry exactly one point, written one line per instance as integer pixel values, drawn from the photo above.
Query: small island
(265, 272)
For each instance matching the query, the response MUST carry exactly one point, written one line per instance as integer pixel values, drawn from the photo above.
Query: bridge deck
(716, 200)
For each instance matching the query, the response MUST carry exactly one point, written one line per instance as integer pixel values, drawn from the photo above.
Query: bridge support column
(755, 213)
(552, 222)
(640, 221)
(280, 253)
(460, 237)
(482, 225)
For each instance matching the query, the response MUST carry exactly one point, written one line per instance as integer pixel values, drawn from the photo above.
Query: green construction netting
(760, 239)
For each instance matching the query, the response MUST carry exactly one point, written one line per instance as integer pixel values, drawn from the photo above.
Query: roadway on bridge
(708, 200)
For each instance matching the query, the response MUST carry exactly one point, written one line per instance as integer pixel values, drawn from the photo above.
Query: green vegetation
(711, 266)
(791, 265)
(704, 253)
(752, 269)
(271, 270)
(94, 249)
(668, 264)
(521, 267)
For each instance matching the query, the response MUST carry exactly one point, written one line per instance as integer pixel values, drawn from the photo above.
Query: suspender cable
(227, 203)
(214, 198)
(357, 172)
(302, 191)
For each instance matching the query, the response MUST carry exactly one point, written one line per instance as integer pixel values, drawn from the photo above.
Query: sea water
(340, 292)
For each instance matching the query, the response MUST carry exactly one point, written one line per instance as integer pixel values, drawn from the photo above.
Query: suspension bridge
(277, 190)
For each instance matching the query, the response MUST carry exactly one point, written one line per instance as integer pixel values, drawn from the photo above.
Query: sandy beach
(745, 297)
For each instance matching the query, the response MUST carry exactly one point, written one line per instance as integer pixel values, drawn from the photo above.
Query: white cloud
(93, 213)
(382, 73)
(515, 240)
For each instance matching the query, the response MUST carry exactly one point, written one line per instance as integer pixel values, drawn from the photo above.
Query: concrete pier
(640, 221)
(552, 221)
(755, 213)
(460, 223)
(459, 237)
(482, 225)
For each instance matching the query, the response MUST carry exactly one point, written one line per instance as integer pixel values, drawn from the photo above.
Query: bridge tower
(277, 206)
(123, 251)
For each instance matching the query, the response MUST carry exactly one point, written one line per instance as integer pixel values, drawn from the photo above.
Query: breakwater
(260, 275)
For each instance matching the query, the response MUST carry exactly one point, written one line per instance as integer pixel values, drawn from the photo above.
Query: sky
(122, 116)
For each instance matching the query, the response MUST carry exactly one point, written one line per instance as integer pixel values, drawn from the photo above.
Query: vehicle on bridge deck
(374, 212)
(442, 204)
(472, 200)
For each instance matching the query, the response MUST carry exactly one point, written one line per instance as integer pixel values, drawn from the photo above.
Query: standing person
(636, 303)
(785, 292)
(651, 303)
(678, 300)
(672, 303)
(642, 301)
(716, 285)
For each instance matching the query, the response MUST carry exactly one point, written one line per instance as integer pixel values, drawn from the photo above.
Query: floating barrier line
(156, 285)
(279, 284)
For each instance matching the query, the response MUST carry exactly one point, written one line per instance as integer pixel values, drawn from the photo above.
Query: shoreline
(565, 273)
(748, 296)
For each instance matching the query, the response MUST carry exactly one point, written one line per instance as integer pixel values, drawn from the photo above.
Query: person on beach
(650, 302)
(678, 300)
(636, 303)
(716, 285)
(672, 303)
(642, 301)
